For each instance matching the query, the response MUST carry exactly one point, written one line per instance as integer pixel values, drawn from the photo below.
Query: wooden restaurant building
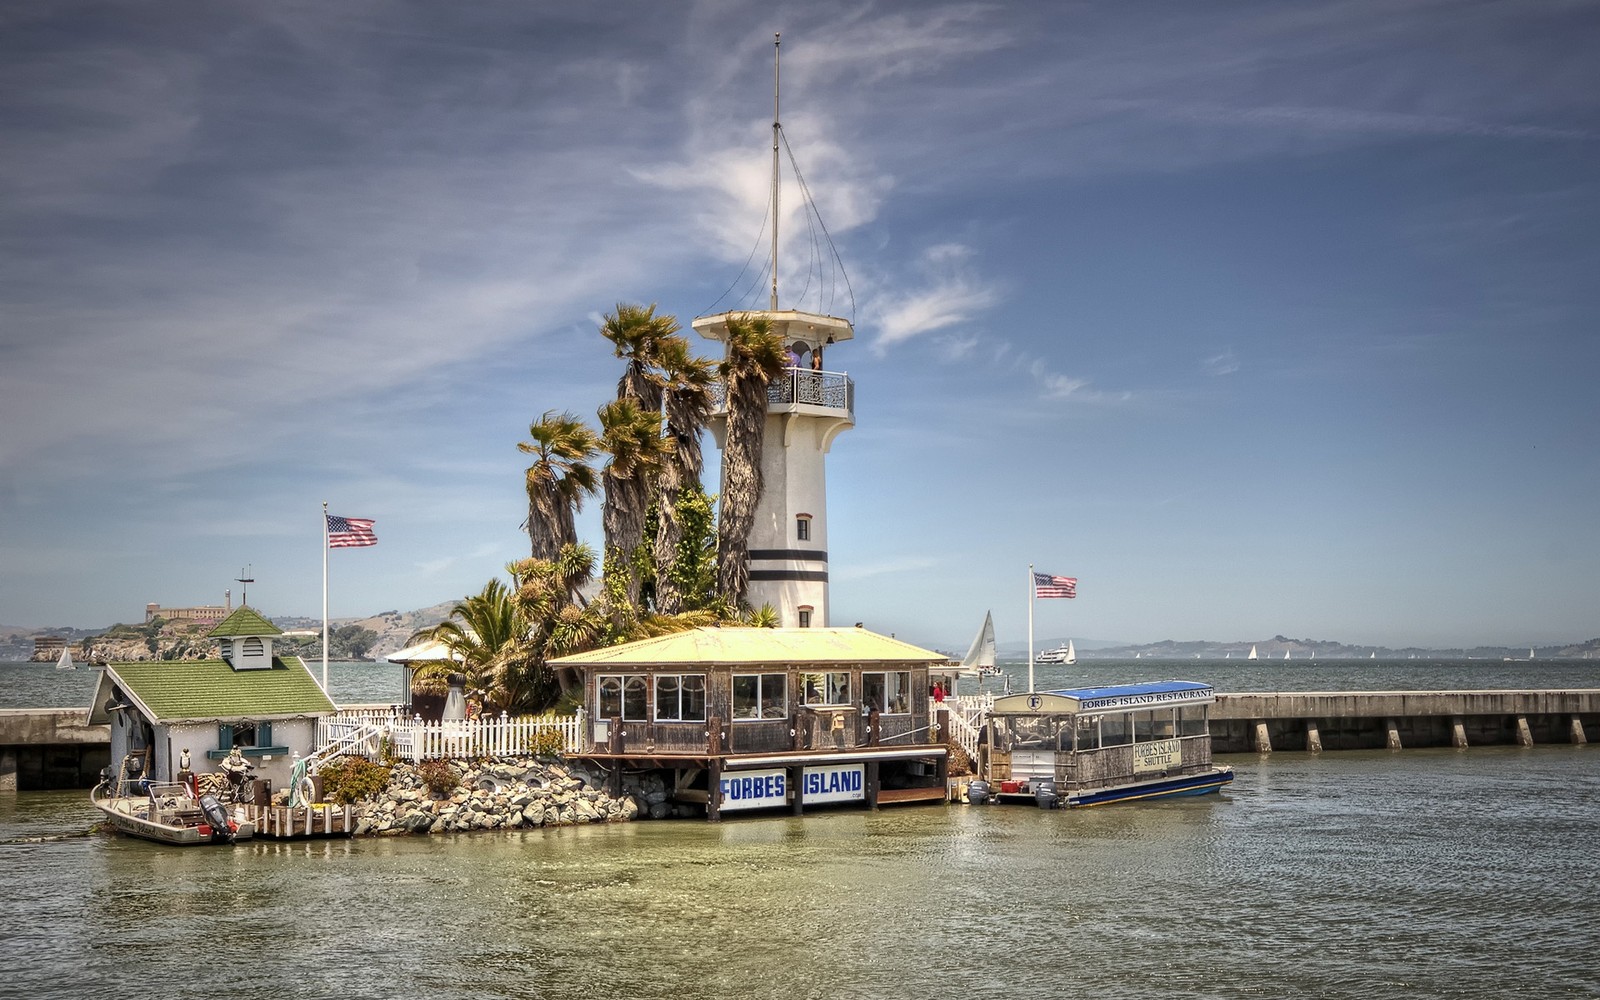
(761, 718)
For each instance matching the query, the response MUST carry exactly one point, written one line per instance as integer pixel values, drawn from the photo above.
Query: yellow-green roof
(245, 620)
(175, 690)
(711, 646)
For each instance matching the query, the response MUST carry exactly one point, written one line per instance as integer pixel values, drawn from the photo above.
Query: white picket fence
(414, 740)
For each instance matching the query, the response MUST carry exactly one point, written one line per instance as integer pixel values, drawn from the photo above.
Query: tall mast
(776, 41)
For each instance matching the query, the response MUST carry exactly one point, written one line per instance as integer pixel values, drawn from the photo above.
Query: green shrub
(547, 743)
(351, 779)
(439, 777)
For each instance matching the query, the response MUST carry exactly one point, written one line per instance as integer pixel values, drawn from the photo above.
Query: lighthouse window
(623, 696)
(802, 529)
(760, 696)
(680, 697)
(889, 693)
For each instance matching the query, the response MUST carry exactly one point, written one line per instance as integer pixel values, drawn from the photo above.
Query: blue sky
(1256, 317)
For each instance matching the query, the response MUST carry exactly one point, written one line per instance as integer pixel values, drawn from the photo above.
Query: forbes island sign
(768, 789)
(1159, 755)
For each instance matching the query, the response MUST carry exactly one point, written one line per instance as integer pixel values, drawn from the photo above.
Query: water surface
(1422, 873)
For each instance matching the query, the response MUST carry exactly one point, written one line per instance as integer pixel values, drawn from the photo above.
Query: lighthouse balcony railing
(806, 386)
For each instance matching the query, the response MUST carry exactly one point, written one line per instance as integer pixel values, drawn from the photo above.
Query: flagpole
(1030, 628)
(324, 597)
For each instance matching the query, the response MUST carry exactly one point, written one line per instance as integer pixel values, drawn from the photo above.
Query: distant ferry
(1061, 654)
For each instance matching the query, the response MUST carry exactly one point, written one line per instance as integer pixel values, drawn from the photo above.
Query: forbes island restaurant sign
(769, 789)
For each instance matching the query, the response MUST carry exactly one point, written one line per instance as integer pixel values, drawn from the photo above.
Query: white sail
(981, 656)
(1252, 655)
(65, 663)
(1286, 654)
(1374, 655)
(1072, 654)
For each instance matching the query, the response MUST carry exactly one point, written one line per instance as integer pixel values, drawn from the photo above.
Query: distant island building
(48, 647)
(210, 613)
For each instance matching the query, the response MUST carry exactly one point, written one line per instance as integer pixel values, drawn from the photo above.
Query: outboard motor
(978, 792)
(217, 816)
(1045, 794)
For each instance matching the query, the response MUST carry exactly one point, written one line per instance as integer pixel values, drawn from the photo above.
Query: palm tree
(637, 333)
(483, 633)
(558, 480)
(688, 401)
(633, 438)
(755, 356)
(557, 624)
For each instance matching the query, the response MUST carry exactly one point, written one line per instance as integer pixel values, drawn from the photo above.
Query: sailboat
(1072, 654)
(1374, 655)
(65, 663)
(1252, 655)
(1286, 654)
(980, 658)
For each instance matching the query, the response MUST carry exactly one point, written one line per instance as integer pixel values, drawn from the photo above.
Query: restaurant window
(1192, 721)
(1088, 737)
(1143, 726)
(680, 697)
(760, 696)
(623, 696)
(802, 528)
(889, 692)
(827, 689)
(1114, 731)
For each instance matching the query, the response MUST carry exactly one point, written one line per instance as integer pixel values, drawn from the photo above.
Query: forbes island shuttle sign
(769, 789)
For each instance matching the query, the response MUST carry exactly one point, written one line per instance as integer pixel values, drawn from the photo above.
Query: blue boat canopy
(1116, 698)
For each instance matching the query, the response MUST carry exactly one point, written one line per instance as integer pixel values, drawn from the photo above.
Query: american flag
(1045, 585)
(349, 532)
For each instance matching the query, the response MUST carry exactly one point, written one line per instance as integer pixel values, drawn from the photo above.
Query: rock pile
(506, 793)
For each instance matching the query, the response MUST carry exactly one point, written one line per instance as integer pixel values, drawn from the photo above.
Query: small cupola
(245, 638)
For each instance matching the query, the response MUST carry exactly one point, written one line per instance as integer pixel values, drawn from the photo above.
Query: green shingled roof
(245, 621)
(174, 690)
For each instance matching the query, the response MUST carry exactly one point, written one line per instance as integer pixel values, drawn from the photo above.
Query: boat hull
(1203, 783)
(130, 815)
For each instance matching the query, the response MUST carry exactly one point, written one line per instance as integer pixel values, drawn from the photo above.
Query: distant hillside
(394, 628)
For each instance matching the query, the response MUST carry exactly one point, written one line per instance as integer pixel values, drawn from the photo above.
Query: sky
(1257, 318)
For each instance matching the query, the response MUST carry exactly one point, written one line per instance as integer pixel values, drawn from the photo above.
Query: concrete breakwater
(1315, 721)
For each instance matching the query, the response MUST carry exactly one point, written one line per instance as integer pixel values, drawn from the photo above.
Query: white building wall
(794, 483)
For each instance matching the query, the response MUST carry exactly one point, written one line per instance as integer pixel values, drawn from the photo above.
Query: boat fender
(1045, 795)
(217, 817)
(978, 792)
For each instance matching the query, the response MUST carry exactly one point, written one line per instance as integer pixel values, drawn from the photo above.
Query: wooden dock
(284, 823)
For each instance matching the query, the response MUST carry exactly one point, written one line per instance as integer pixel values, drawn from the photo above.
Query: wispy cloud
(951, 294)
(1224, 363)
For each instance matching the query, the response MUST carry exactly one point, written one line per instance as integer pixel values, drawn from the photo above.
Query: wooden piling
(1576, 732)
(1393, 739)
(1524, 734)
(1313, 737)
(1458, 733)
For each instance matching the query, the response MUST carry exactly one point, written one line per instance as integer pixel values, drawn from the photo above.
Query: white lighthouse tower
(808, 405)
